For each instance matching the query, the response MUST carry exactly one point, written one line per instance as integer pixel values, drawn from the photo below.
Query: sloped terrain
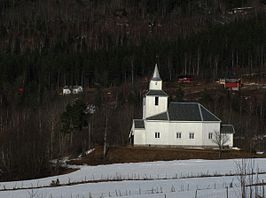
(146, 154)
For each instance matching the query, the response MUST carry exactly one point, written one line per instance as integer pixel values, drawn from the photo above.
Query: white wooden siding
(152, 109)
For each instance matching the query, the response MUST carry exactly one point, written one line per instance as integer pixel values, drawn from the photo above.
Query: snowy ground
(184, 178)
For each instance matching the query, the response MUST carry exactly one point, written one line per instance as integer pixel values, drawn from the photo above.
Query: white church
(184, 124)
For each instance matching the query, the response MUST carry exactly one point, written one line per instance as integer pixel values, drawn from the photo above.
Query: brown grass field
(146, 154)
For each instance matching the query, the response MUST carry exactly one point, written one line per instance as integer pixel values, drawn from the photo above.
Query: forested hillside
(47, 44)
(86, 41)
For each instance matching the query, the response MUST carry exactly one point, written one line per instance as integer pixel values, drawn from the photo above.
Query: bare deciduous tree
(220, 139)
(246, 172)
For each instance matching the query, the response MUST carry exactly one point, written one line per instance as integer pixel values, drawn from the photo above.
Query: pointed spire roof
(156, 75)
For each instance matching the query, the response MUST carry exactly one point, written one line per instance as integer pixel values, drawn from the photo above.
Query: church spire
(156, 82)
(156, 75)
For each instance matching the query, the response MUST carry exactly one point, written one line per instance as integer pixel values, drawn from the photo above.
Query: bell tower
(155, 100)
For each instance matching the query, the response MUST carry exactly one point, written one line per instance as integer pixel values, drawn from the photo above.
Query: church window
(210, 136)
(191, 136)
(178, 135)
(156, 101)
(157, 134)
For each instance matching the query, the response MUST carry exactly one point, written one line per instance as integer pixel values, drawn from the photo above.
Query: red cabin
(232, 84)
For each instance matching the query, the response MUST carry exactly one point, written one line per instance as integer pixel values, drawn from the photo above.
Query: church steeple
(156, 82)
(155, 100)
(156, 75)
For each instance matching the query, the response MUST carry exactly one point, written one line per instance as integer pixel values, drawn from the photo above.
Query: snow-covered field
(184, 178)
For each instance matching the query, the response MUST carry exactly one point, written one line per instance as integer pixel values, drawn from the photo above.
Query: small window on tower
(156, 101)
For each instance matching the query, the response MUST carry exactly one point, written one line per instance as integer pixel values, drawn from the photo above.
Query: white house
(74, 90)
(77, 89)
(66, 90)
(185, 124)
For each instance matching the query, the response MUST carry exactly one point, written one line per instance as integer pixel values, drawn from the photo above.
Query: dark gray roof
(161, 116)
(156, 93)
(190, 111)
(185, 111)
(207, 115)
(227, 128)
(139, 124)
(179, 111)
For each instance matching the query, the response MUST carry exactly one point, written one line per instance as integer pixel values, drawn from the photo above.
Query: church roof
(190, 111)
(156, 75)
(185, 111)
(227, 128)
(207, 115)
(139, 124)
(161, 116)
(156, 93)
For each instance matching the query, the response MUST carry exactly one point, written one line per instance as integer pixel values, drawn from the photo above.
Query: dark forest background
(101, 45)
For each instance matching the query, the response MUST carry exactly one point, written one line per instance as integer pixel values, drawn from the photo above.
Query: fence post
(196, 193)
(227, 193)
(263, 188)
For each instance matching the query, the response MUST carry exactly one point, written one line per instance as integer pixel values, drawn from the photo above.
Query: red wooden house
(232, 84)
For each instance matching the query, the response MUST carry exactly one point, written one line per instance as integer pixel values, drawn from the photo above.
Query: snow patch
(86, 153)
(180, 178)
